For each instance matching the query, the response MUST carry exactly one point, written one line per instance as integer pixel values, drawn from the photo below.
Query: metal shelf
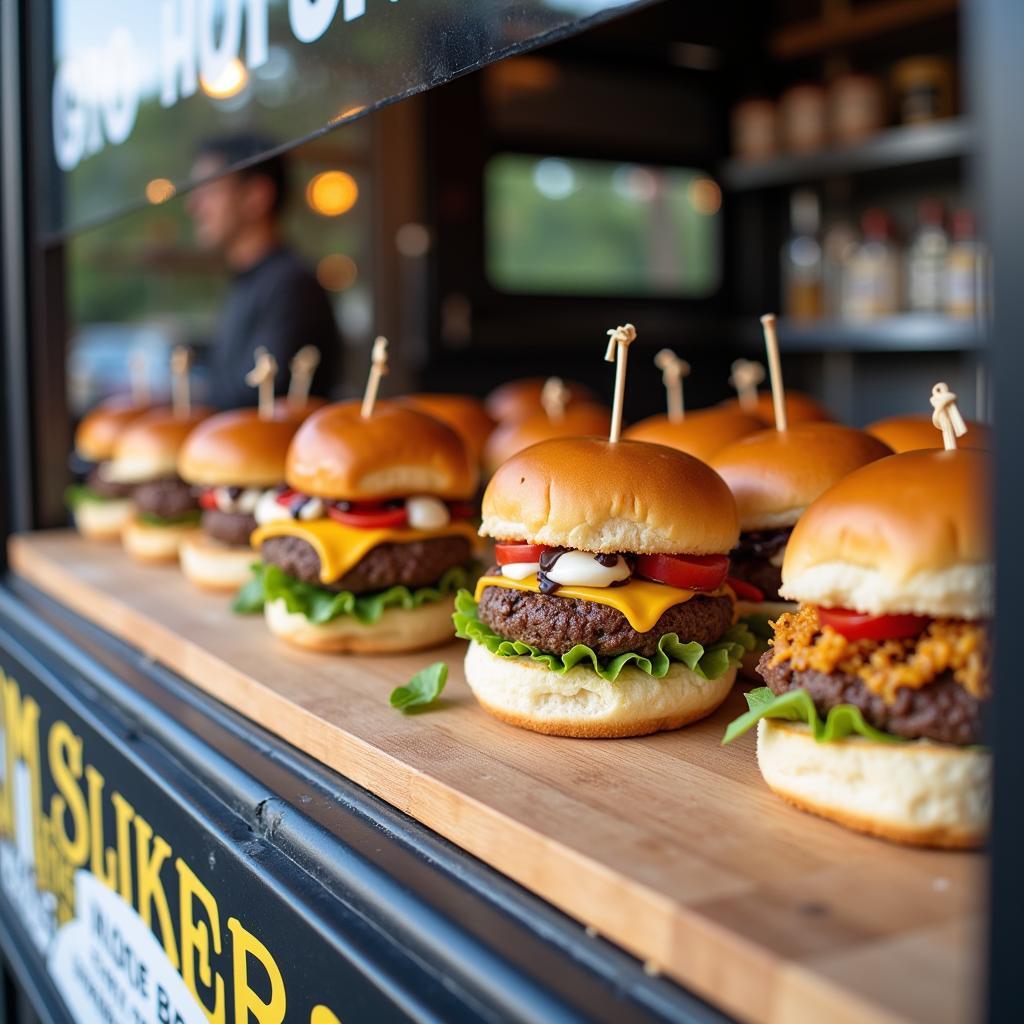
(895, 147)
(906, 332)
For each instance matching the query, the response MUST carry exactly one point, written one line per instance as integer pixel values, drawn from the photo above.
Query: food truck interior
(492, 203)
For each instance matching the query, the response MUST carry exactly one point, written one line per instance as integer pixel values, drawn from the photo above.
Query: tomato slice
(745, 591)
(860, 626)
(208, 500)
(370, 516)
(508, 553)
(286, 498)
(690, 572)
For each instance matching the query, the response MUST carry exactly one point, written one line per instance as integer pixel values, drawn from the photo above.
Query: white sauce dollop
(268, 510)
(313, 509)
(520, 570)
(427, 513)
(581, 569)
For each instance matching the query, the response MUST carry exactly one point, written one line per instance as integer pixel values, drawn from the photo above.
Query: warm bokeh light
(332, 193)
(348, 113)
(336, 272)
(230, 82)
(159, 190)
(705, 196)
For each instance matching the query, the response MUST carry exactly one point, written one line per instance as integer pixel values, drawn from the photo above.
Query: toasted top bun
(466, 415)
(775, 475)
(148, 448)
(579, 420)
(594, 495)
(909, 533)
(100, 428)
(701, 433)
(237, 449)
(284, 409)
(396, 452)
(518, 399)
(800, 408)
(912, 433)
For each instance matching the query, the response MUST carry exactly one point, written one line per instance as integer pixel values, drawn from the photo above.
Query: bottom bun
(398, 629)
(773, 609)
(920, 793)
(103, 520)
(211, 565)
(154, 543)
(580, 703)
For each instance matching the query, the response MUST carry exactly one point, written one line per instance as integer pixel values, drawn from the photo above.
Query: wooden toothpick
(619, 340)
(771, 342)
(946, 416)
(673, 371)
(378, 369)
(554, 397)
(746, 376)
(303, 367)
(181, 391)
(138, 375)
(262, 376)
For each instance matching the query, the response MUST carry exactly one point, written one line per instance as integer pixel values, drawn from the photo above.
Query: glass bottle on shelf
(962, 268)
(801, 259)
(872, 282)
(838, 247)
(926, 260)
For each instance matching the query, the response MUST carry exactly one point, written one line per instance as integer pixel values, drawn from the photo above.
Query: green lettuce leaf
(187, 519)
(796, 706)
(760, 625)
(81, 494)
(422, 690)
(708, 662)
(319, 605)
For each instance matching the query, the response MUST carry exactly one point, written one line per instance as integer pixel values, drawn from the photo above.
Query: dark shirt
(279, 304)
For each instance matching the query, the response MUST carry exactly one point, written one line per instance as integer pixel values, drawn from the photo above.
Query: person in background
(274, 300)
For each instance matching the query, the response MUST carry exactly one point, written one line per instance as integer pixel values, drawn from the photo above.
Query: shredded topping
(884, 666)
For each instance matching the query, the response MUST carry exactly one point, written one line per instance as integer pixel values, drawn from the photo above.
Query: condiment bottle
(963, 267)
(926, 260)
(872, 286)
(801, 259)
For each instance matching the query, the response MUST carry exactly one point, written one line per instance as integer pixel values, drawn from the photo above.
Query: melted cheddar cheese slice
(640, 601)
(341, 547)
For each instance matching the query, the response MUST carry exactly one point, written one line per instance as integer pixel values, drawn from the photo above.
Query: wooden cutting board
(670, 846)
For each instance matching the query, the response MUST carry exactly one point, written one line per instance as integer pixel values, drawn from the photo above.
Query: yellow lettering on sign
(102, 862)
(123, 814)
(195, 941)
(150, 854)
(321, 1015)
(65, 755)
(21, 728)
(245, 944)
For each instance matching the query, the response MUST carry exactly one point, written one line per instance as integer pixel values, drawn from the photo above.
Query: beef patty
(416, 564)
(556, 624)
(942, 711)
(229, 527)
(750, 560)
(109, 489)
(170, 498)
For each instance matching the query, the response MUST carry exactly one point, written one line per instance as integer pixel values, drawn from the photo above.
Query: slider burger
(466, 415)
(774, 475)
(701, 434)
(876, 685)
(578, 420)
(517, 399)
(236, 461)
(102, 506)
(365, 550)
(800, 408)
(607, 613)
(911, 433)
(145, 460)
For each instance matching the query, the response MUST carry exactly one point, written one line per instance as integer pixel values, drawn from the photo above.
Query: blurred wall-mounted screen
(134, 87)
(557, 225)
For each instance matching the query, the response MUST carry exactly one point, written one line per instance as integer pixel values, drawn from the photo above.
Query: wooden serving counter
(670, 846)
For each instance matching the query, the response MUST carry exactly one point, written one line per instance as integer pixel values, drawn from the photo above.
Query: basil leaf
(320, 605)
(185, 519)
(424, 688)
(797, 706)
(707, 662)
(81, 494)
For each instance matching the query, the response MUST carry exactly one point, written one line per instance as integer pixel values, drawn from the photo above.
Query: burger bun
(148, 543)
(211, 565)
(103, 520)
